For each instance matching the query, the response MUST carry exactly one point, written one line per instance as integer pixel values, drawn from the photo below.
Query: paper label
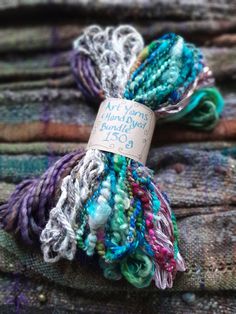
(123, 127)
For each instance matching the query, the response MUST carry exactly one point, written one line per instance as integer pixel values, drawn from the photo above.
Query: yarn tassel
(109, 204)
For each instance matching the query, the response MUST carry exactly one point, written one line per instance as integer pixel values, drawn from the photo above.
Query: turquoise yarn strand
(176, 72)
(163, 74)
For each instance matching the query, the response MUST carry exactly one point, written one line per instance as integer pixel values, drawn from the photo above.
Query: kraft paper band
(123, 127)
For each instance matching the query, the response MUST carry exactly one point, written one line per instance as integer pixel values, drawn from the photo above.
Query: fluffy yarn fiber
(109, 205)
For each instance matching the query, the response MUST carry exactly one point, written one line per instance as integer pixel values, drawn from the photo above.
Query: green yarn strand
(138, 269)
(203, 111)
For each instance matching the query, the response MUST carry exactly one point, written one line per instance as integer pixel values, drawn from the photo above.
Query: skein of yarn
(27, 209)
(125, 218)
(109, 204)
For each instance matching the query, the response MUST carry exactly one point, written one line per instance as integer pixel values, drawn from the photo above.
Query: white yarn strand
(58, 237)
(114, 51)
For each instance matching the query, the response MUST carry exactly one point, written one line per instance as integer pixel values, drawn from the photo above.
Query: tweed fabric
(62, 115)
(206, 269)
(38, 296)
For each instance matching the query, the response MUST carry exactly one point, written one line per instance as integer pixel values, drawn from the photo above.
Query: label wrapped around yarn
(123, 127)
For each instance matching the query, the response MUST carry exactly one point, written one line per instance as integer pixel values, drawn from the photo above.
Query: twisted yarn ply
(109, 205)
(113, 51)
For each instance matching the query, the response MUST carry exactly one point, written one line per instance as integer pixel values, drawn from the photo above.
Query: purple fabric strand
(91, 74)
(86, 78)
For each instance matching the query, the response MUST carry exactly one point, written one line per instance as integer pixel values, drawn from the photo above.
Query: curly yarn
(108, 204)
(202, 112)
(138, 269)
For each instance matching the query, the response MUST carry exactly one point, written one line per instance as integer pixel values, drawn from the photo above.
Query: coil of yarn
(104, 203)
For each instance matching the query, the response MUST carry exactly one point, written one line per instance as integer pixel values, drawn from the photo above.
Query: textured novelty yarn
(109, 205)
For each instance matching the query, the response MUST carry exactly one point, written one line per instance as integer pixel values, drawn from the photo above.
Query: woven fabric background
(43, 116)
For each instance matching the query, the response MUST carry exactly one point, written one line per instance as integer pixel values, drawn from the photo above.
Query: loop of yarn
(102, 59)
(75, 190)
(138, 269)
(203, 110)
(108, 204)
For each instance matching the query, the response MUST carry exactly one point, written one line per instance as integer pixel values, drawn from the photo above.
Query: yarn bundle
(109, 205)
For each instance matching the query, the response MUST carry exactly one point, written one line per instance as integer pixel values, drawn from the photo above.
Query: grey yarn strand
(58, 237)
(113, 51)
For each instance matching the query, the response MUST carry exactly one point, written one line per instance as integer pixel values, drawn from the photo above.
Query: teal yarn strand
(203, 110)
(163, 74)
(138, 269)
(161, 78)
(178, 66)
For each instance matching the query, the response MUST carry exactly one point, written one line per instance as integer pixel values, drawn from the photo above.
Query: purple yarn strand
(27, 209)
